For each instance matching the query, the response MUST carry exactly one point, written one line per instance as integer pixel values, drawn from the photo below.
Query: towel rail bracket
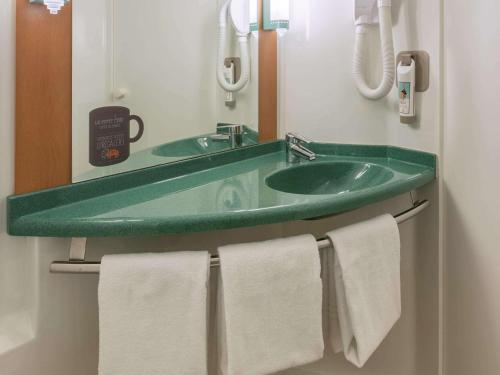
(77, 264)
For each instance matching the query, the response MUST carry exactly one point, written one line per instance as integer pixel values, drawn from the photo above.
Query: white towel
(269, 311)
(368, 286)
(153, 314)
(331, 328)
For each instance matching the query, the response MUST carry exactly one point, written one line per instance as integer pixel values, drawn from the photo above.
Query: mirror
(150, 87)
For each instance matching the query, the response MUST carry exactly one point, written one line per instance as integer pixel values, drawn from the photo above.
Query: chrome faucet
(295, 148)
(229, 132)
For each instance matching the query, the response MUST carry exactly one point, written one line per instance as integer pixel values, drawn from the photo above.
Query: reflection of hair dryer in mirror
(367, 13)
(239, 13)
(231, 196)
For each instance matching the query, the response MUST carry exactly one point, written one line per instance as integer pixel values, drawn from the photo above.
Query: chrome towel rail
(77, 264)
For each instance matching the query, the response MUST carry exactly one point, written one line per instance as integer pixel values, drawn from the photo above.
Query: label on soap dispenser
(404, 98)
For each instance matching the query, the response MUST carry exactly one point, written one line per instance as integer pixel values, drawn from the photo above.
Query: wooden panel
(43, 97)
(268, 83)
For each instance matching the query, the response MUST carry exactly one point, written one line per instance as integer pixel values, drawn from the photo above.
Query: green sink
(190, 147)
(199, 146)
(329, 178)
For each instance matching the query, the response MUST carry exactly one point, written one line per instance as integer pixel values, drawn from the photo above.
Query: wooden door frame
(43, 97)
(268, 81)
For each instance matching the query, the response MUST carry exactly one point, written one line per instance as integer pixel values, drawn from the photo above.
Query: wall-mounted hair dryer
(366, 13)
(239, 13)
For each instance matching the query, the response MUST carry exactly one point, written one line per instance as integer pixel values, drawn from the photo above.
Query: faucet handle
(236, 128)
(296, 138)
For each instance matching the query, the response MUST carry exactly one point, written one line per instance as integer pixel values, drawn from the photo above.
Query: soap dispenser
(406, 89)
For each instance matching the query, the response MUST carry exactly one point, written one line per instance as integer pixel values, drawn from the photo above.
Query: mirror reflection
(161, 80)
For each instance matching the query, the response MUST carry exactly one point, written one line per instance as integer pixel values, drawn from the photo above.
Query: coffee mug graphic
(109, 135)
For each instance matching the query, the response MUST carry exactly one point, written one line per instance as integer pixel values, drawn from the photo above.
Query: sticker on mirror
(109, 135)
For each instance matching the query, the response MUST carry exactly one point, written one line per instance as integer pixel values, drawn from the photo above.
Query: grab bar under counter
(77, 264)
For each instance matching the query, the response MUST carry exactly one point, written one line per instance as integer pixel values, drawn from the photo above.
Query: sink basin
(190, 147)
(195, 146)
(320, 178)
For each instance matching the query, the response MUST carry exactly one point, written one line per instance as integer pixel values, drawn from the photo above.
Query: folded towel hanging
(365, 302)
(153, 314)
(77, 264)
(269, 306)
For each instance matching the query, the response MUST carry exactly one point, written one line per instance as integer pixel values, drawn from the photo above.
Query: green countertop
(218, 191)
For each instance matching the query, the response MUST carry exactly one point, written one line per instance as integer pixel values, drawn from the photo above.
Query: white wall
(472, 183)
(16, 261)
(318, 95)
(164, 56)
